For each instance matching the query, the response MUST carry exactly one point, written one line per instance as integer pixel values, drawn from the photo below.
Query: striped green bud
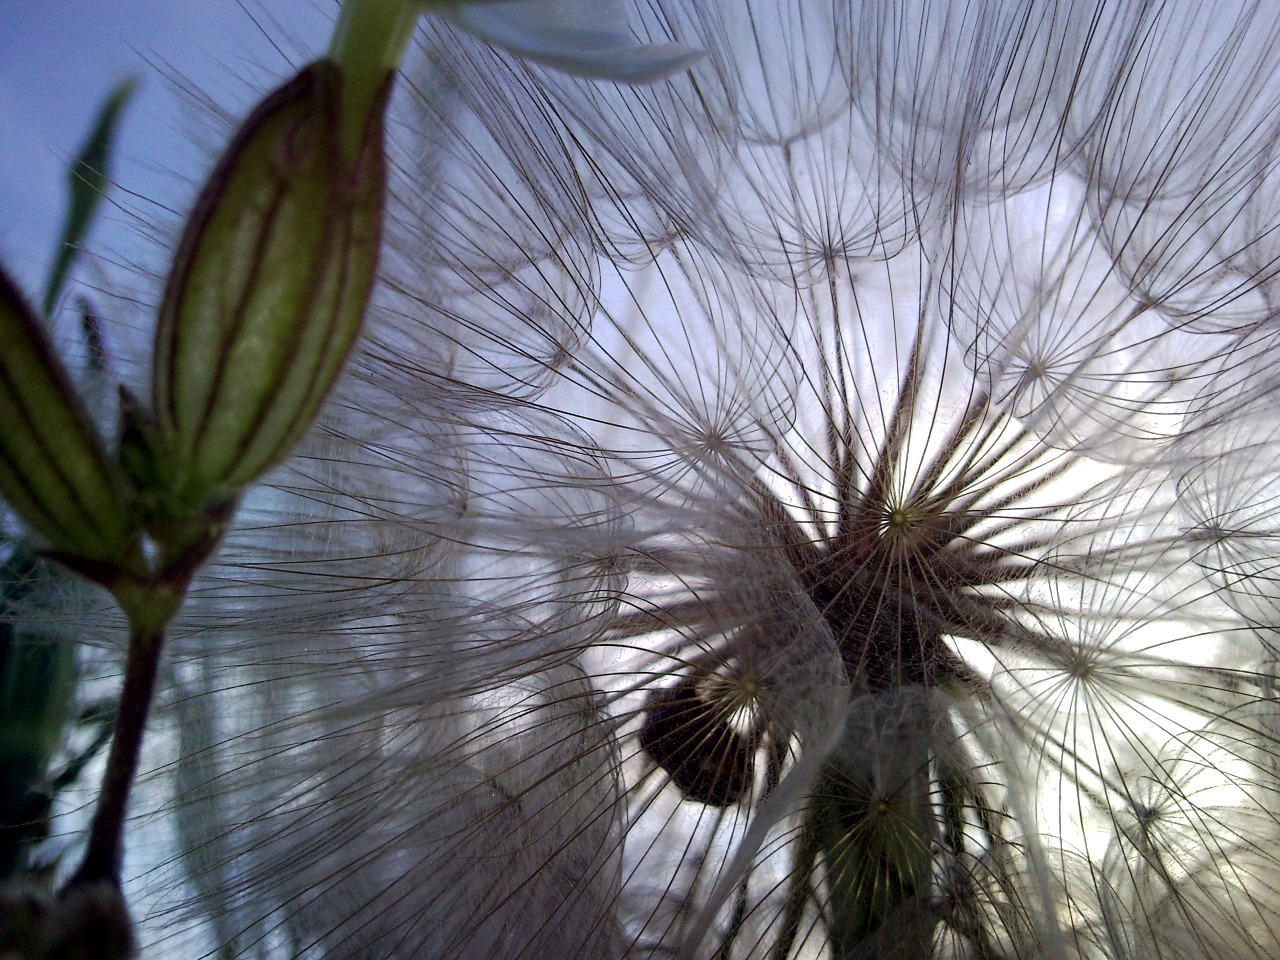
(54, 472)
(266, 296)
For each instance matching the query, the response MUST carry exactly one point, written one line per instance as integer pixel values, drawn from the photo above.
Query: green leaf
(37, 681)
(87, 180)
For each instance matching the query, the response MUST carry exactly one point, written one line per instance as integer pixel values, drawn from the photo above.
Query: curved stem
(102, 859)
(369, 43)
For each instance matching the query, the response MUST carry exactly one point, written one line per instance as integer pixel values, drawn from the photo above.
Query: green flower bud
(872, 818)
(54, 472)
(266, 295)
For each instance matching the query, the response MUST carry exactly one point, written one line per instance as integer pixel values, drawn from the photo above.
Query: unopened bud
(54, 472)
(266, 296)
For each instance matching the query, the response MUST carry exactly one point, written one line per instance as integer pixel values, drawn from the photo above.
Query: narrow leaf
(87, 181)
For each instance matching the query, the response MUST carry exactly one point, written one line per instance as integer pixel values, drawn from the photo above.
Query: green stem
(102, 859)
(149, 604)
(369, 43)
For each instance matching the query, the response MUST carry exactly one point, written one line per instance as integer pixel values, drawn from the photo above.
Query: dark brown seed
(691, 739)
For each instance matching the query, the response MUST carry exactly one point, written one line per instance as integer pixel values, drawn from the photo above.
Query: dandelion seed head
(815, 506)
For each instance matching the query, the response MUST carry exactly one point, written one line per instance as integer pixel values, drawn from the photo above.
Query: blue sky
(59, 58)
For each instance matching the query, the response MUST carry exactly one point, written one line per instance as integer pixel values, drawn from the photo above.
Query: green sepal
(54, 472)
(266, 296)
(137, 451)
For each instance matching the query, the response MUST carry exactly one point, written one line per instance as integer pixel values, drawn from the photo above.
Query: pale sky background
(58, 60)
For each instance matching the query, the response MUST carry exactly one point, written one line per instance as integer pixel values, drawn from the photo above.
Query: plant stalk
(369, 42)
(104, 854)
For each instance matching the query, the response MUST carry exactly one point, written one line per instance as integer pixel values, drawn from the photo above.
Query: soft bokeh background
(59, 58)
